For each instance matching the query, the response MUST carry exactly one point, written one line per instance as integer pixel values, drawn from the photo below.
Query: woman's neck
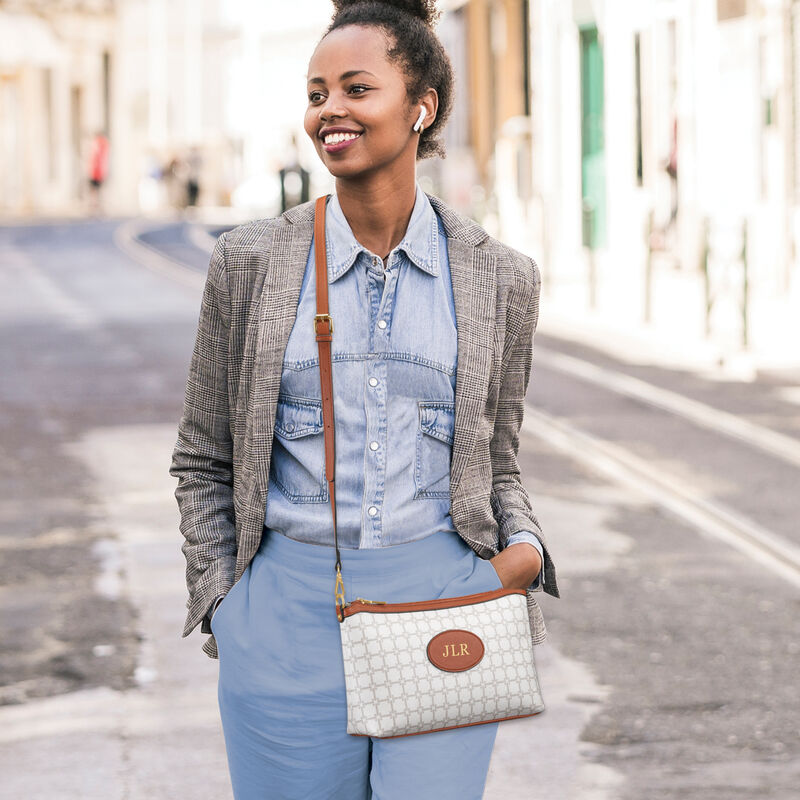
(378, 211)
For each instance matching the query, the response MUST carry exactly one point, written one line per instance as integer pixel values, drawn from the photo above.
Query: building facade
(661, 171)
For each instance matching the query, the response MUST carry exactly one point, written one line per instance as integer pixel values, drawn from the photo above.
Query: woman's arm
(518, 566)
(527, 536)
(202, 460)
(510, 502)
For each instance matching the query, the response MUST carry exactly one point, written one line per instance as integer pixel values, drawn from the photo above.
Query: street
(668, 496)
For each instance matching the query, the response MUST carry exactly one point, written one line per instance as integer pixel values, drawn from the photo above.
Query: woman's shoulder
(524, 267)
(511, 263)
(259, 232)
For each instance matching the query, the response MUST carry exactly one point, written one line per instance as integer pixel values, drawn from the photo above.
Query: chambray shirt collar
(420, 242)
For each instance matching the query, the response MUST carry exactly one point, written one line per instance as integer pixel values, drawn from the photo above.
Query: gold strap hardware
(323, 318)
(339, 592)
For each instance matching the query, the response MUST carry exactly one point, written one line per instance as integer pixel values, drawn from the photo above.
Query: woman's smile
(337, 142)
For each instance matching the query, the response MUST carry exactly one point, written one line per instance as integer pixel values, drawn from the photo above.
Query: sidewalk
(162, 739)
(675, 337)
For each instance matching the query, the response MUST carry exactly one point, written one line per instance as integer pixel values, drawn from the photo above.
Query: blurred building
(224, 76)
(55, 94)
(219, 83)
(647, 151)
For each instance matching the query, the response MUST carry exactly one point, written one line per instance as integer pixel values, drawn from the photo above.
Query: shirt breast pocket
(297, 464)
(434, 447)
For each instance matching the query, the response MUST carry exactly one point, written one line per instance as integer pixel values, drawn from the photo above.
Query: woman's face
(354, 87)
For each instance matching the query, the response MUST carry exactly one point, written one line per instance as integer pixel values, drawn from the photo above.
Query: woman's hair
(409, 23)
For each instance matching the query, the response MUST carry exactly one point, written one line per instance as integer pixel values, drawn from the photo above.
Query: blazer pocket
(297, 464)
(437, 420)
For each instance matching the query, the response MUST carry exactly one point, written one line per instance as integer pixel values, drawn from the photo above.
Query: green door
(593, 176)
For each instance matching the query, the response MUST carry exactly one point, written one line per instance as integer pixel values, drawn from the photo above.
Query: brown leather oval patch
(455, 650)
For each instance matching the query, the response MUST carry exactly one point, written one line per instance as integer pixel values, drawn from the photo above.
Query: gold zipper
(369, 602)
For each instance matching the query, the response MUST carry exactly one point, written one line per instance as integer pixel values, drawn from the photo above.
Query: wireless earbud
(418, 123)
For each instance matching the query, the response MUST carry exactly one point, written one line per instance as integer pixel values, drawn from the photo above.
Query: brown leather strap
(323, 328)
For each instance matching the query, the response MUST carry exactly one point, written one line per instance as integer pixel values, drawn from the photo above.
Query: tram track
(622, 466)
(714, 419)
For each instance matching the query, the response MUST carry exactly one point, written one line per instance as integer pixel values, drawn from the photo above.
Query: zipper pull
(370, 602)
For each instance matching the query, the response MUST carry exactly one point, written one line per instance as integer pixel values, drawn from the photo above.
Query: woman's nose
(332, 107)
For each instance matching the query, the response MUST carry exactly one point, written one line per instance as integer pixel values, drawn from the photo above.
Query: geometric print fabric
(394, 690)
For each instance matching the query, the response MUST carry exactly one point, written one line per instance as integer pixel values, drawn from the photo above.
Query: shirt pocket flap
(438, 419)
(296, 417)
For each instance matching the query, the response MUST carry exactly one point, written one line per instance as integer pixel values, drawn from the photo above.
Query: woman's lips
(335, 148)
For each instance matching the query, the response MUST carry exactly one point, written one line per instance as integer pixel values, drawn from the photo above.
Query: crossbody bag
(429, 665)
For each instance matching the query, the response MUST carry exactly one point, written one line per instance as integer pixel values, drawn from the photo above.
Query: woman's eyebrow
(343, 76)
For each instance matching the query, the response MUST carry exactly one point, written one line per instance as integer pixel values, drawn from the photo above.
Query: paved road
(670, 665)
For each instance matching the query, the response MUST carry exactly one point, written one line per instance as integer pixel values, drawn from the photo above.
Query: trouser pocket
(490, 573)
(227, 600)
(470, 574)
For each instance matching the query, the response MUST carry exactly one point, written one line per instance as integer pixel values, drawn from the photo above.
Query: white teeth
(335, 138)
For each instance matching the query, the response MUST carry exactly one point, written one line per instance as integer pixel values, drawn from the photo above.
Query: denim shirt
(394, 354)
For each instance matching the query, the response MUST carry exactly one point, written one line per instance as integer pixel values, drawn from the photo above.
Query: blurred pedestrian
(98, 170)
(254, 500)
(295, 180)
(194, 165)
(671, 167)
(174, 177)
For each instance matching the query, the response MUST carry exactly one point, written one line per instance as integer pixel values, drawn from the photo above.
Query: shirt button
(372, 511)
(381, 323)
(373, 381)
(290, 426)
(373, 445)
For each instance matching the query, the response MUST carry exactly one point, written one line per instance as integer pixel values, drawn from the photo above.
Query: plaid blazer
(249, 304)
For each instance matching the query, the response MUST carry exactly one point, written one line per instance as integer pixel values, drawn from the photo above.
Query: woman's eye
(313, 97)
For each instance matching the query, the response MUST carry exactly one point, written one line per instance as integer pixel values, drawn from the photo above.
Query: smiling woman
(431, 358)
(414, 68)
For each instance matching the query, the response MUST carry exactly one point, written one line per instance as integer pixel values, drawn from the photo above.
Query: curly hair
(409, 24)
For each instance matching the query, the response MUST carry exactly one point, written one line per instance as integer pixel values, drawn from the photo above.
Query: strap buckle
(339, 593)
(323, 318)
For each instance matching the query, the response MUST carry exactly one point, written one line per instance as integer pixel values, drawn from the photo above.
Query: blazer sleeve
(510, 502)
(202, 460)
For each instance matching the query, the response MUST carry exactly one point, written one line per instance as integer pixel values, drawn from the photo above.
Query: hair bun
(424, 9)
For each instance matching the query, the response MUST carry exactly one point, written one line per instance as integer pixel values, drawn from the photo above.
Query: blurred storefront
(664, 160)
(208, 93)
(646, 152)
(226, 77)
(55, 73)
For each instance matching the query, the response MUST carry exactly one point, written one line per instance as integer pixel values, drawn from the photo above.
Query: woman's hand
(518, 565)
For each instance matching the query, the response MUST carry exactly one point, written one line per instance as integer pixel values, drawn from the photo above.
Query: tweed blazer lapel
(284, 270)
(474, 292)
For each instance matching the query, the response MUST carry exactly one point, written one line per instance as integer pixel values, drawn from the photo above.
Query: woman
(433, 326)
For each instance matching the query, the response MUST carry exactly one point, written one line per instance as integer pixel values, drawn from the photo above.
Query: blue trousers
(281, 678)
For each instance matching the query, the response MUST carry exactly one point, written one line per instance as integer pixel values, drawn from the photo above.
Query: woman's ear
(430, 100)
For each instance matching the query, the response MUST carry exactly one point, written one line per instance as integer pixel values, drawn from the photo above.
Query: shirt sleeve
(528, 536)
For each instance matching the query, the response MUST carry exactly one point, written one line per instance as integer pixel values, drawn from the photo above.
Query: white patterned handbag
(429, 665)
